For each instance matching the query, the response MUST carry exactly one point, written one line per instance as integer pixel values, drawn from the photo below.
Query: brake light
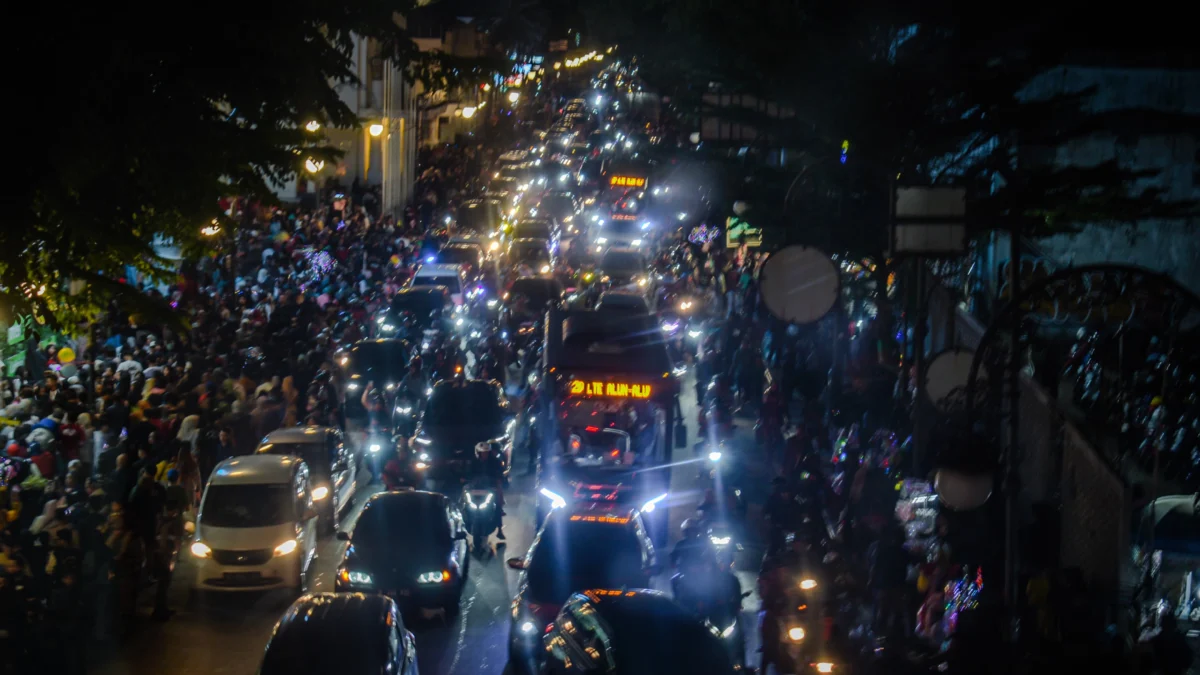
(591, 429)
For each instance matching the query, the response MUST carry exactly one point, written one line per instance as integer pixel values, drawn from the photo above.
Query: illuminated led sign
(598, 389)
(627, 181)
(609, 520)
(623, 216)
(738, 232)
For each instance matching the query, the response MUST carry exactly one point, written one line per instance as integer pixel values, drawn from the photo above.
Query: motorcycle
(789, 621)
(720, 614)
(481, 515)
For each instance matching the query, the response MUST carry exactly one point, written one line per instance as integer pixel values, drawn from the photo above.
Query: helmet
(482, 449)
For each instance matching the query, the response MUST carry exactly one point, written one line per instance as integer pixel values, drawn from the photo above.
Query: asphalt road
(227, 635)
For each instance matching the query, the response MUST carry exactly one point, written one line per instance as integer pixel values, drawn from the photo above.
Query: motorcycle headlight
(434, 577)
(201, 549)
(635, 243)
(808, 584)
(527, 627)
(556, 502)
(824, 667)
(285, 548)
(424, 456)
(492, 302)
(729, 631)
(714, 456)
(649, 506)
(796, 634)
(375, 447)
(719, 541)
(404, 410)
(319, 493)
(353, 386)
(387, 327)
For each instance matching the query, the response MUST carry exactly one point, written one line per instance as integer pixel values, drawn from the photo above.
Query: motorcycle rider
(490, 468)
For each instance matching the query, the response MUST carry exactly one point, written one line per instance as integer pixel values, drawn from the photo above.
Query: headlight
(434, 577)
(636, 242)
(719, 541)
(423, 441)
(556, 502)
(381, 319)
(491, 303)
(375, 447)
(390, 386)
(808, 584)
(320, 493)
(344, 360)
(285, 548)
(602, 240)
(420, 466)
(796, 634)
(406, 410)
(695, 334)
(729, 631)
(643, 282)
(458, 322)
(649, 506)
(353, 386)
(714, 456)
(824, 667)
(424, 345)
(527, 627)
(387, 327)
(201, 549)
(545, 269)
(354, 577)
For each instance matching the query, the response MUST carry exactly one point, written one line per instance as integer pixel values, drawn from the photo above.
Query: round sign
(66, 355)
(694, 137)
(962, 491)
(800, 284)
(947, 375)
(740, 208)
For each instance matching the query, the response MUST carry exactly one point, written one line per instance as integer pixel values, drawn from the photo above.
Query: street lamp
(314, 165)
(375, 129)
(514, 96)
(468, 112)
(313, 126)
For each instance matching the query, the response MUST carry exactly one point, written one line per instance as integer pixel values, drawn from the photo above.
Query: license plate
(243, 576)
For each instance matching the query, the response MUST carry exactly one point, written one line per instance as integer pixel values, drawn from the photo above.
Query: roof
(401, 497)
(437, 270)
(298, 435)
(331, 628)
(255, 470)
(582, 340)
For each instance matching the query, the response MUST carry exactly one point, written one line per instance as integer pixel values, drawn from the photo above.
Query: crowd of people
(109, 442)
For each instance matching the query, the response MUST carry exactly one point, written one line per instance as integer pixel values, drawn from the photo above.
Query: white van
(257, 528)
(450, 276)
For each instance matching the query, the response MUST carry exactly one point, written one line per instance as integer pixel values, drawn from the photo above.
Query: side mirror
(343, 535)
(460, 535)
(516, 563)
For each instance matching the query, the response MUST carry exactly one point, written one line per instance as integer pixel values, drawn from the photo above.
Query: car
(256, 529)
(620, 266)
(534, 252)
(533, 228)
(450, 276)
(623, 302)
(563, 207)
(383, 361)
(459, 414)
(630, 630)
(480, 216)
(468, 255)
(348, 633)
(575, 550)
(332, 467)
(409, 545)
(618, 230)
(428, 308)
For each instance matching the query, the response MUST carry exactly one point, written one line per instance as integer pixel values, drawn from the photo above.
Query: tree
(921, 91)
(148, 119)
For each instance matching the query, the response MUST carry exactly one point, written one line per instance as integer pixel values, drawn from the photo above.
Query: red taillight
(591, 429)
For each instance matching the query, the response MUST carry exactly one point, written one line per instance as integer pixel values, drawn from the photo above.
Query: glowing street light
(375, 129)
(313, 126)
(314, 165)
(468, 112)
(514, 96)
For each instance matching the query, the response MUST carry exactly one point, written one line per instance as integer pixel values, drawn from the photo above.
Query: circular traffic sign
(800, 284)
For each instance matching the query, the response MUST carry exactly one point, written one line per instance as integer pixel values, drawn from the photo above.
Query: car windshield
(619, 260)
(531, 230)
(315, 454)
(558, 206)
(398, 522)
(449, 281)
(476, 218)
(421, 305)
(469, 403)
(458, 255)
(622, 226)
(381, 361)
(539, 291)
(255, 505)
(572, 558)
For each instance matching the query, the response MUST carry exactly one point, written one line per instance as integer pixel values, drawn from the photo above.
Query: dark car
(574, 551)
(410, 546)
(469, 256)
(383, 361)
(533, 228)
(419, 311)
(333, 469)
(621, 267)
(459, 414)
(632, 632)
(479, 216)
(350, 633)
